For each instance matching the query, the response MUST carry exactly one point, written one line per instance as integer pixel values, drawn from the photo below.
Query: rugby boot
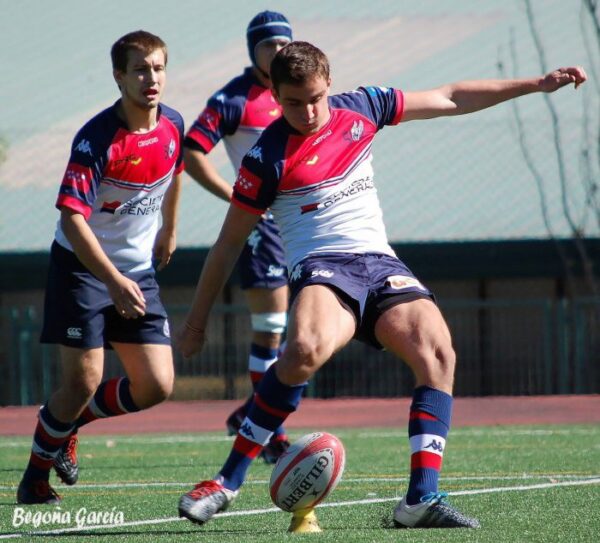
(65, 463)
(205, 500)
(432, 512)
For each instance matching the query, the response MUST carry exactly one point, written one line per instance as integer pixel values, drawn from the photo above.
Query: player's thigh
(149, 366)
(319, 324)
(81, 368)
(267, 300)
(417, 332)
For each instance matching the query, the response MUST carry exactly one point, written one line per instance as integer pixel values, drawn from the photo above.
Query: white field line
(170, 484)
(207, 438)
(520, 488)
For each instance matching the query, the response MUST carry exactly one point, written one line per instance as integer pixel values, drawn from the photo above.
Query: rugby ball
(307, 472)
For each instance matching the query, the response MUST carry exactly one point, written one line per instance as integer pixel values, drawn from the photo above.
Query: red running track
(201, 416)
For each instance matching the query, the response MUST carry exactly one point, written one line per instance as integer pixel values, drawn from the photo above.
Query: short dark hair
(139, 40)
(297, 63)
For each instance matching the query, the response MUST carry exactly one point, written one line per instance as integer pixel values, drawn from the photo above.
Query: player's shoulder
(359, 97)
(94, 137)
(173, 115)
(377, 103)
(269, 149)
(236, 88)
(278, 131)
(105, 122)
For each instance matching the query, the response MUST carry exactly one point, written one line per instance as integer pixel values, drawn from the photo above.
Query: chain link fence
(509, 347)
(527, 169)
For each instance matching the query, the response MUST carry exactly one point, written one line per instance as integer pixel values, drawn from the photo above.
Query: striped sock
(113, 398)
(260, 360)
(430, 415)
(273, 403)
(48, 438)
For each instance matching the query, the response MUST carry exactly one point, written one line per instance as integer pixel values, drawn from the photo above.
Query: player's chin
(150, 102)
(307, 129)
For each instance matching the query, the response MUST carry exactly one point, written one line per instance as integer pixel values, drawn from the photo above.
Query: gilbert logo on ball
(307, 472)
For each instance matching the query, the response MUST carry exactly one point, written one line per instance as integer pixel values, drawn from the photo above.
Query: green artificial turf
(490, 472)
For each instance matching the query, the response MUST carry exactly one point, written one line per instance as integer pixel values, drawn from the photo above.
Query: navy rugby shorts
(262, 262)
(366, 284)
(78, 312)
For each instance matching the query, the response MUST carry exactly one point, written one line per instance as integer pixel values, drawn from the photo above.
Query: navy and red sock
(48, 438)
(260, 360)
(273, 403)
(112, 398)
(429, 422)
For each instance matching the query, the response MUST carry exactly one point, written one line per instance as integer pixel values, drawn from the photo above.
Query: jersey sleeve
(220, 118)
(81, 179)
(178, 121)
(385, 103)
(256, 185)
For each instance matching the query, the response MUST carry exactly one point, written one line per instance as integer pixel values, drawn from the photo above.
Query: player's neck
(136, 118)
(263, 77)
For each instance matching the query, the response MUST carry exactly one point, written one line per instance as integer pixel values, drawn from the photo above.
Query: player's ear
(118, 76)
(275, 95)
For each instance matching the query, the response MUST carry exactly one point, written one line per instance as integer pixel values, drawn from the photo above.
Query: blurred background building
(498, 212)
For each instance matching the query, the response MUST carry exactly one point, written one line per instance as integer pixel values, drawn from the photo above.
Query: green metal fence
(504, 347)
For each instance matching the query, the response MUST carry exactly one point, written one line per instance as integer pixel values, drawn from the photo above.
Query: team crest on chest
(170, 149)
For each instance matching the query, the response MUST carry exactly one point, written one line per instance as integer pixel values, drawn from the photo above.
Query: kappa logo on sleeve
(84, 147)
(247, 184)
(255, 153)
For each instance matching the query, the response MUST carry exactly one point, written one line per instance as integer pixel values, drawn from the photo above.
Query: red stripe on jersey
(201, 139)
(308, 208)
(256, 376)
(246, 207)
(268, 409)
(421, 415)
(328, 154)
(246, 447)
(399, 106)
(74, 204)
(110, 396)
(424, 459)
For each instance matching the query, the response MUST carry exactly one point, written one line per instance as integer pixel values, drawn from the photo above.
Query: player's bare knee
(81, 388)
(435, 367)
(152, 390)
(163, 390)
(302, 358)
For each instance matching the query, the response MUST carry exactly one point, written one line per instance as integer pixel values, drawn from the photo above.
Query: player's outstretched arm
(200, 169)
(217, 269)
(470, 96)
